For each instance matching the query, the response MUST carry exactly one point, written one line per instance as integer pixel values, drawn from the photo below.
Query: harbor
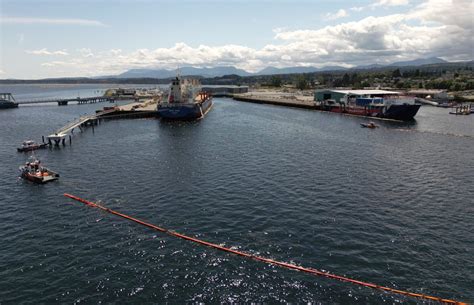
(306, 152)
(98, 157)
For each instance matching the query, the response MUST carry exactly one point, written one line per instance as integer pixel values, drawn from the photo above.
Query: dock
(292, 100)
(61, 134)
(279, 99)
(65, 101)
(129, 111)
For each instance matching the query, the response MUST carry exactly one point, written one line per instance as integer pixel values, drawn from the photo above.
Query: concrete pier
(279, 99)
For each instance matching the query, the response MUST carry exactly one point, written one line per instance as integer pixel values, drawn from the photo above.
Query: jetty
(61, 134)
(133, 110)
(65, 101)
(280, 99)
(294, 100)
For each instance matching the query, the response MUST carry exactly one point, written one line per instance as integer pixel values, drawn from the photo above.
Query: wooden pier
(65, 101)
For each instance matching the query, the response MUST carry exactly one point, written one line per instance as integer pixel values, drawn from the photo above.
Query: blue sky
(55, 38)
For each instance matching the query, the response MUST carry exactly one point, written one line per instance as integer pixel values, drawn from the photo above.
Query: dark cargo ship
(372, 103)
(185, 101)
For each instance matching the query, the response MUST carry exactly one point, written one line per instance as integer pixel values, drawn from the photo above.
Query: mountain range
(229, 70)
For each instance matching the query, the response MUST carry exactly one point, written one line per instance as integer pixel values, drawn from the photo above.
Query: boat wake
(436, 132)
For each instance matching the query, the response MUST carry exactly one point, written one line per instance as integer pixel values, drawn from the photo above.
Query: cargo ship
(371, 103)
(185, 101)
(7, 101)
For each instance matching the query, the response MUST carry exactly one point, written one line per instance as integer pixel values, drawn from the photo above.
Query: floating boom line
(267, 260)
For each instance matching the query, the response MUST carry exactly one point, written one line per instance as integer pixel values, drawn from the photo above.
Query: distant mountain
(368, 67)
(288, 70)
(419, 62)
(295, 70)
(229, 70)
(152, 73)
(185, 71)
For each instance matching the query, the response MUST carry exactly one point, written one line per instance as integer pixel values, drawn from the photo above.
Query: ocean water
(393, 206)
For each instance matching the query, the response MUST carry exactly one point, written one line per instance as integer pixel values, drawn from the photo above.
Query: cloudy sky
(53, 38)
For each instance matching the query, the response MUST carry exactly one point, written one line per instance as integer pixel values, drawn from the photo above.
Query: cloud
(389, 3)
(339, 14)
(45, 51)
(357, 8)
(21, 38)
(53, 21)
(433, 28)
(86, 52)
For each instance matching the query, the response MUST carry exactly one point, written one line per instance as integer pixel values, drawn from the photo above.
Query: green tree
(396, 73)
(346, 80)
(301, 82)
(275, 81)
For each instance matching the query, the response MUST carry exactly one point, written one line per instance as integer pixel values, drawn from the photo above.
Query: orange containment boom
(267, 260)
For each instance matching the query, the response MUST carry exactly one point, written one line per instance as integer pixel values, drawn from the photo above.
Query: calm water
(392, 206)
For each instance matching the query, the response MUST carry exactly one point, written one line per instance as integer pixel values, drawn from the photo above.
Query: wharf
(292, 100)
(224, 90)
(132, 110)
(65, 101)
(280, 99)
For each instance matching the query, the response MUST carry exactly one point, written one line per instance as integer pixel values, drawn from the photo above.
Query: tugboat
(31, 145)
(7, 101)
(35, 172)
(185, 101)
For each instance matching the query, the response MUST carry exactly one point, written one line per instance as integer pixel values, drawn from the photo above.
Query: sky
(69, 38)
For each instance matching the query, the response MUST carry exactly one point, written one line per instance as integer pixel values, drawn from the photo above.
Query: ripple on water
(310, 188)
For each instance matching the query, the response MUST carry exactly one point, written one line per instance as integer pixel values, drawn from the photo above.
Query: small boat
(35, 172)
(462, 110)
(31, 145)
(369, 125)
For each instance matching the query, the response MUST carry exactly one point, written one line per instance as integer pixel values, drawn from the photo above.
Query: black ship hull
(402, 112)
